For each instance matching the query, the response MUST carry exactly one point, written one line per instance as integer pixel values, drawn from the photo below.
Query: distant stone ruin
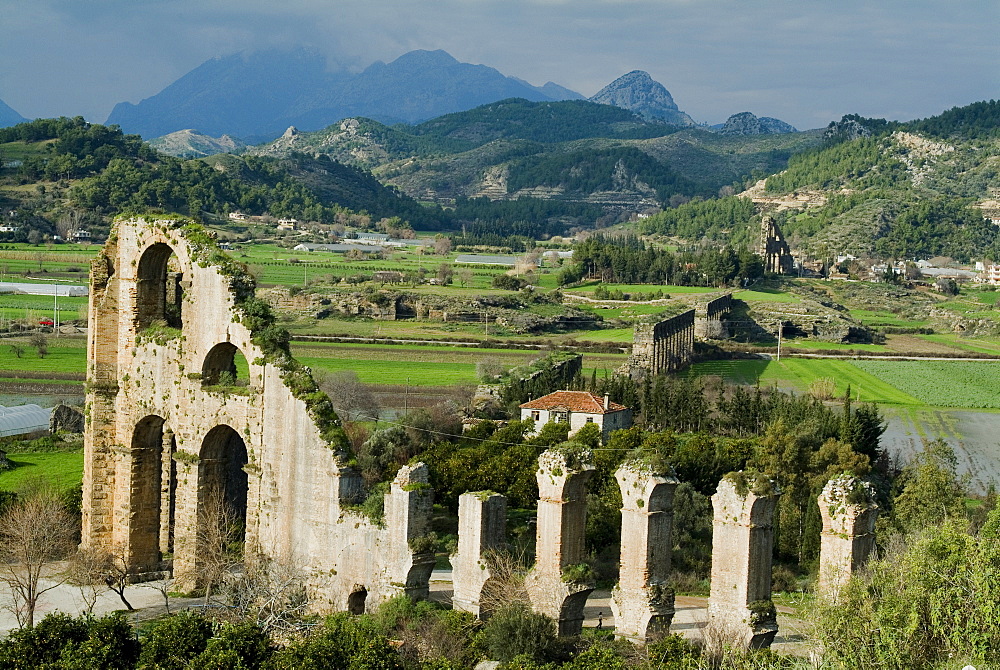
(773, 248)
(666, 346)
(709, 318)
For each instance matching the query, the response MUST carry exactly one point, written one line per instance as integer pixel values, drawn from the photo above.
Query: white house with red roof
(577, 408)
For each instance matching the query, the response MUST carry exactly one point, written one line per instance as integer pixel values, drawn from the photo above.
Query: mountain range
(8, 117)
(257, 96)
(574, 150)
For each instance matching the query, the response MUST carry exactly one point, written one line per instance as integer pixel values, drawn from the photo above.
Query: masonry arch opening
(222, 489)
(225, 365)
(153, 483)
(160, 290)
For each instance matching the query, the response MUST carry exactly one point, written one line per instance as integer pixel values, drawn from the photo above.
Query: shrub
(515, 631)
(172, 642)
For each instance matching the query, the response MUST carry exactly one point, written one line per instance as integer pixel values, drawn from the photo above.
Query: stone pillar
(740, 611)
(408, 508)
(482, 528)
(643, 602)
(563, 473)
(848, 508)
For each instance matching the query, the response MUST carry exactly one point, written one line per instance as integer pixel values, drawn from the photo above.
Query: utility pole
(779, 340)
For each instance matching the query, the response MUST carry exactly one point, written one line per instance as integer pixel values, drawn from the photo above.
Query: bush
(517, 631)
(172, 642)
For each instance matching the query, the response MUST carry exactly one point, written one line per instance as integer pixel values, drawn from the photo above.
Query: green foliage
(719, 219)
(233, 647)
(353, 643)
(517, 631)
(976, 121)
(590, 170)
(60, 641)
(862, 163)
(516, 224)
(170, 643)
(930, 489)
(516, 118)
(628, 260)
(929, 600)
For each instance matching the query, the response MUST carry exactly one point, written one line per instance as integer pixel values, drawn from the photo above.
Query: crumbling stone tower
(553, 586)
(642, 601)
(482, 528)
(847, 505)
(194, 404)
(773, 248)
(740, 611)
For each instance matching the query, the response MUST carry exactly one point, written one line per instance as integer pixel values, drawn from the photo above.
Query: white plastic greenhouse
(23, 419)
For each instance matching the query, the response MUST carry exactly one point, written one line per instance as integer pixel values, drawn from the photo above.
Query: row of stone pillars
(740, 608)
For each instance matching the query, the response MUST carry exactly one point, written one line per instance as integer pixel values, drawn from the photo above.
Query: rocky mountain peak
(640, 93)
(746, 123)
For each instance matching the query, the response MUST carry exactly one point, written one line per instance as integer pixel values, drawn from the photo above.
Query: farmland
(965, 384)
(945, 384)
(63, 469)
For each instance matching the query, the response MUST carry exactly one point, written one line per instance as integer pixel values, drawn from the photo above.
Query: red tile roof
(573, 401)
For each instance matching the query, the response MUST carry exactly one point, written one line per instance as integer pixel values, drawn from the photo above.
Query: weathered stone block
(847, 505)
(740, 610)
(643, 601)
(558, 585)
(482, 529)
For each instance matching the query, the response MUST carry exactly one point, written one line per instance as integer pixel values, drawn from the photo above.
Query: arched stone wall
(269, 445)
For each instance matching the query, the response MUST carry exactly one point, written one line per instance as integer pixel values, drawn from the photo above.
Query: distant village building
(989, 274)
(9, 229)
(287, 224)
(372, 238)
(577, 408)
(80, 235)
(237, 216)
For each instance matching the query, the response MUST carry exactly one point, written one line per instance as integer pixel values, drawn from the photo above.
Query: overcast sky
(806, 62)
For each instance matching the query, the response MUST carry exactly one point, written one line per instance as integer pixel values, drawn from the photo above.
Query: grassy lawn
(766, 295)
(964, 384)
(66, 354)
(423, 366)
(953, 384)
(589, 287)
(963, 343)
(798, 373)
(64, 469)
(35, 307)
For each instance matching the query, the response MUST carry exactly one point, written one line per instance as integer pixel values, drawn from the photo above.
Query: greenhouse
(23, 419)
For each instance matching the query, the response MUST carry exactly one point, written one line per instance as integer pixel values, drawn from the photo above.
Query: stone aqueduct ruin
(169, 436)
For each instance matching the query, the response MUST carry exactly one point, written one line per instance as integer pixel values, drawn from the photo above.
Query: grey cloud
(805, 62)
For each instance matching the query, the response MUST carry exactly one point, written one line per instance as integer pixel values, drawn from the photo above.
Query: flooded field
(975, 436)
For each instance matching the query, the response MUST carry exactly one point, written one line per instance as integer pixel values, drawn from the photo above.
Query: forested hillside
(84, 173)
(571, 151)
(872, 188)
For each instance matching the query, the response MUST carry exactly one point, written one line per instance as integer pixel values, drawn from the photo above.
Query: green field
(424, 365)
(965, 384)
(796, 374)
(63, 469)
(66, 354)
(589, 287)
